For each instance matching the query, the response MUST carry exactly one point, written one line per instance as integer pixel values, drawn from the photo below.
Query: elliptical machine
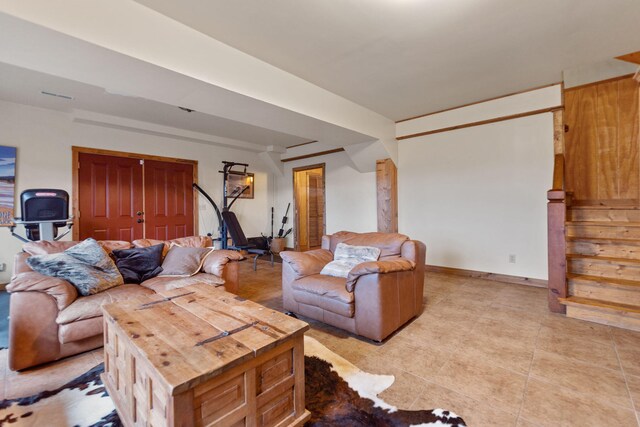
(44, 211)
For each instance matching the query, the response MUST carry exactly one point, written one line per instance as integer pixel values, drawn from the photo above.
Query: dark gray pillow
(139, 264)
(86, 266)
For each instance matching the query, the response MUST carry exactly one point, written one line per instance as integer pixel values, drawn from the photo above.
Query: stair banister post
(556, 218)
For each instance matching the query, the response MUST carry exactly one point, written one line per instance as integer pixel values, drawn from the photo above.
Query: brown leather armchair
(49, 320)
(374, 300)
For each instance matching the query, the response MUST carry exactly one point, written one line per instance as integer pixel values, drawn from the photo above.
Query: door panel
(315, 209)
(110, 194)
(168, 200)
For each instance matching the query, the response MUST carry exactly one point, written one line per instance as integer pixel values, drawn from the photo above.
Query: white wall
(350, 195)
(44, 139)
(477, 195)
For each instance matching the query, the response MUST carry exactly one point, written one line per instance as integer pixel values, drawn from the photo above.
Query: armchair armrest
(377, 267)
(307, 263)
(63, 292)
(214, 263)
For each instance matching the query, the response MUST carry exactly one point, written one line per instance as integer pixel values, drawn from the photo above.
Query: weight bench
(240, 242)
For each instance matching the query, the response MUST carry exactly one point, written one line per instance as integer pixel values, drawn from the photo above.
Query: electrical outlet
(512, 258)
(3, 266)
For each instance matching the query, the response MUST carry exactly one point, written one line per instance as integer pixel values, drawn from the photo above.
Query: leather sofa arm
(214, 263)
(377, 267)
(307, 263)
(63, 292)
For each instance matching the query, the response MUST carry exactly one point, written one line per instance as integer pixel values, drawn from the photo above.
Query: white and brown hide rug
(337, 393)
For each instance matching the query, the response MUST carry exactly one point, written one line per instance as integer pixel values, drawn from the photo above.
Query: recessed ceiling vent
(57, 95)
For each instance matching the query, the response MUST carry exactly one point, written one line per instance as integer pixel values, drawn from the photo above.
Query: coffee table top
(192, 334)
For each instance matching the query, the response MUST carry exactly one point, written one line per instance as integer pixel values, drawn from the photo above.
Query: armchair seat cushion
(90, 306)
(326, 292)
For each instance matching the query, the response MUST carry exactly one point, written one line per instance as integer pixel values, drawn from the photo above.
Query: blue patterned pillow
(86, 266)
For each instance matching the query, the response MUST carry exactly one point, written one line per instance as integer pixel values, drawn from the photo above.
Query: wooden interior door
(602, 143)
(309, 206)
(109, 197)
(315, 209)
(168, 210)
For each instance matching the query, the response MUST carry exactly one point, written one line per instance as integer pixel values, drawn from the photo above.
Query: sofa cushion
(160, 284)
(89, 307)
(86, 266)
(326, 292)
(139, 264)
(45, 247)
(80, 330)
(185, 242)
(388, 243)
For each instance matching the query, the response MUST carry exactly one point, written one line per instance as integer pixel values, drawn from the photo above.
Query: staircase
(603, 265)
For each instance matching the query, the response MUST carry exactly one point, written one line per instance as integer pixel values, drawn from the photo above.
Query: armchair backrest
(390, 244)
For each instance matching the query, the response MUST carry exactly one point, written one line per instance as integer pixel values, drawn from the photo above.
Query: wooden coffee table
(200, 356)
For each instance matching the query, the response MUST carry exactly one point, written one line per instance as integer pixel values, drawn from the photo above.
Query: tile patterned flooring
(489, 351)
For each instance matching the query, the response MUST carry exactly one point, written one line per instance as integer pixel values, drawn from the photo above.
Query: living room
(450, 137)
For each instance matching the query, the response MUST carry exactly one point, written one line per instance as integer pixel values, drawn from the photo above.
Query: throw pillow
(139, 264)
(86, 266)
(183, 262)
(366, 253)
(347, 256)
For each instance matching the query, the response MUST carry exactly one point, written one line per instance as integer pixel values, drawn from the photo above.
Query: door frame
(296, 219)
(75, 166)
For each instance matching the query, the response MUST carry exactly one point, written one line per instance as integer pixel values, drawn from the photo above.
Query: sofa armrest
(63, 292)
(377, 267)
(214, 263)
(307, 263)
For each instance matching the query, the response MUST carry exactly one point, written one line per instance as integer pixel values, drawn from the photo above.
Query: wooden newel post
(556, 217)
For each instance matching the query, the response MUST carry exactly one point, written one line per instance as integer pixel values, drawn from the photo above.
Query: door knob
(140, 220)
(139, 213)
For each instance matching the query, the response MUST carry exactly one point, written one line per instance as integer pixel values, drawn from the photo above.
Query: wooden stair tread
(611, 240)
(605, 208)
(604, 280)
(579, 301)
(604, 223)
(604, 258)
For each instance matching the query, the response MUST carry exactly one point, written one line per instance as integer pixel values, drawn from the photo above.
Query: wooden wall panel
(602, 142)
(628, 139)
(387, 195)
(606, 128)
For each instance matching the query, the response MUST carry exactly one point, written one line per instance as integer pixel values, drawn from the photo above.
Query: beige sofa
(49, 320)
(374, 300)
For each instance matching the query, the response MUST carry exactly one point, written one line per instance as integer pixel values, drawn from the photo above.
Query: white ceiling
(25, 86)
(403, 58)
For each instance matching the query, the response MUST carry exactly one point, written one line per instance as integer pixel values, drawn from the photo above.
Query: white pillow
(365, 253)
(347, 256)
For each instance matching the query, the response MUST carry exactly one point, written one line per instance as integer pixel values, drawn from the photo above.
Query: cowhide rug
(337, 393)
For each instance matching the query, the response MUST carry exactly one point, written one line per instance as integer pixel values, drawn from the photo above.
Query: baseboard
(505, 278)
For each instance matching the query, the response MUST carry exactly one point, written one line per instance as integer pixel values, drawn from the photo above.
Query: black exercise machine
(44, 211)
(228, 224)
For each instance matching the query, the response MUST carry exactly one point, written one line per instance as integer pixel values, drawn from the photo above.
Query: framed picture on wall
(7, 184)
(236, 183)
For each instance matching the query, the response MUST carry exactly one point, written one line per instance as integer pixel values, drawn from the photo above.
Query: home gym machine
(44, 211)
(228, 224)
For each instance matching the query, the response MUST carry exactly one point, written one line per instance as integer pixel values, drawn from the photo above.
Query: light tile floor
(488, 351)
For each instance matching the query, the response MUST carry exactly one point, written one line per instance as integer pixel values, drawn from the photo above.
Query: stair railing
(557, 245)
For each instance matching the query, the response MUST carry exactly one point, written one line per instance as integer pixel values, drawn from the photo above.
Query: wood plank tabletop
(192, 334)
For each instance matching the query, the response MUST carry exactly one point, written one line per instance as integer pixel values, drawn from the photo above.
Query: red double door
(122, 198)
